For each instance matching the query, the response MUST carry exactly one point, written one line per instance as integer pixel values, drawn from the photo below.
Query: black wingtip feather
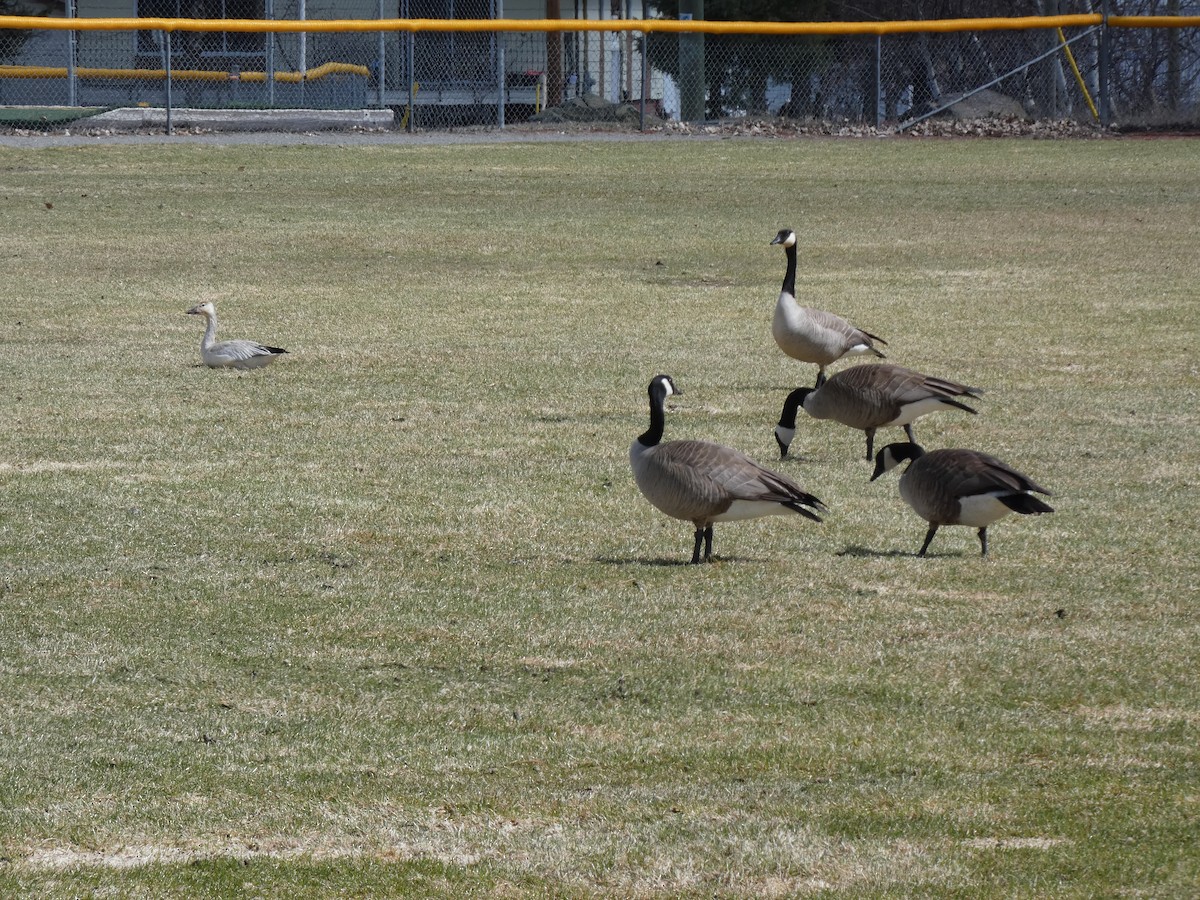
(1025, 504)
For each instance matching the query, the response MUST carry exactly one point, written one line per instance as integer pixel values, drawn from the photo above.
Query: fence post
(501, 80)
(303, 50)
(269, 13)
(409, 76)
(72, 47)
(166, 45)
(1105, 65)
(382, 74)
(878, 92)
(691, 64)
(645, 75)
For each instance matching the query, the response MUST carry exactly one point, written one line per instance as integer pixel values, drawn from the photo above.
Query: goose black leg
(820, 376)
(983, 540)
(708, 543)
(696, 546)
(928, 539)
(870, 444)
(908, 431)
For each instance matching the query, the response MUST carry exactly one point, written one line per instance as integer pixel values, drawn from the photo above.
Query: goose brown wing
(712, 476)
(966, 473)
(884, 388)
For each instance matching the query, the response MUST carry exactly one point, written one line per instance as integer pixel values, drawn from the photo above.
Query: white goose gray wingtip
(235, 354)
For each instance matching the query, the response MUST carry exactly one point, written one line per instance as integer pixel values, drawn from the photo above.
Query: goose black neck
(908, 450)
(791, 406)
(789, 277)
(653, 435)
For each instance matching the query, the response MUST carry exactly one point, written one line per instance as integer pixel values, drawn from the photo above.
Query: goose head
(894, 454)
(661, 387)
(786, 429)
(202, 309)
(786, 237)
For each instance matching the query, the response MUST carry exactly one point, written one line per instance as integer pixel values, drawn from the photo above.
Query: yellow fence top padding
(640, 25)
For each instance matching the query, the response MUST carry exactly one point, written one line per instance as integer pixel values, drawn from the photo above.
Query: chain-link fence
(1123, 75)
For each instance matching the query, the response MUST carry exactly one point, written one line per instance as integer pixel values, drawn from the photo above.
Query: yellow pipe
(329, 68)
(1078, 78)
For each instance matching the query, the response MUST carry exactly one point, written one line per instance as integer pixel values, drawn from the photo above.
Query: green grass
(390, 617)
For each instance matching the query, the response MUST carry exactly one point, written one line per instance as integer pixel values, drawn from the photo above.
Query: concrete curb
(247, 119)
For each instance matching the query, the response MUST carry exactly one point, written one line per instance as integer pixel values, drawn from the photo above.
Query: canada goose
(237, 354)
(813, 335)
(960, 487)
(871, 396)
(703, 483)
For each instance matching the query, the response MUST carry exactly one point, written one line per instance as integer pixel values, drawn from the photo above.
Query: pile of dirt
(590, 108)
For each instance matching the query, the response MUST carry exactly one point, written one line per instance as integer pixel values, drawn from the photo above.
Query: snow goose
(871, 396)
(960, 487)
(813, 335)
(702, 483)
(237, 354)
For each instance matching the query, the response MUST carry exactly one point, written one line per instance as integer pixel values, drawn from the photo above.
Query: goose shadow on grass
(857, 550)
(663, 562)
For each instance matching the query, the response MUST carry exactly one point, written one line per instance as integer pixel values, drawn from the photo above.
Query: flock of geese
(704, 483)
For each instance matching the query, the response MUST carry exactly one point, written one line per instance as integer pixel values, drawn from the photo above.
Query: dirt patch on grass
(1015, 843)
(61, 858)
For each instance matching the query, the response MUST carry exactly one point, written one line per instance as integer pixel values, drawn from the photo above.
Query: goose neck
(791, 406)
(210, 332)
(789, 276)
(653, 435)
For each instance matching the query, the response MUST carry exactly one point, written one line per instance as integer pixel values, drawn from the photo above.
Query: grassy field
(390, 617)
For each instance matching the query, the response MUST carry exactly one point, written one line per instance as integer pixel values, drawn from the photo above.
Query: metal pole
(303, 13)
(692, 87)
(166, 45)
(381, 74)
(645, 74)
(878, 80)
(269, 12)
(72, 50)
(501, 75)
(410, 77)
(1105, 66)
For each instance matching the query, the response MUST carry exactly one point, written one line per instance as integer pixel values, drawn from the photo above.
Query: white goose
(236, 354)
(703, 482)
(813, 335)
